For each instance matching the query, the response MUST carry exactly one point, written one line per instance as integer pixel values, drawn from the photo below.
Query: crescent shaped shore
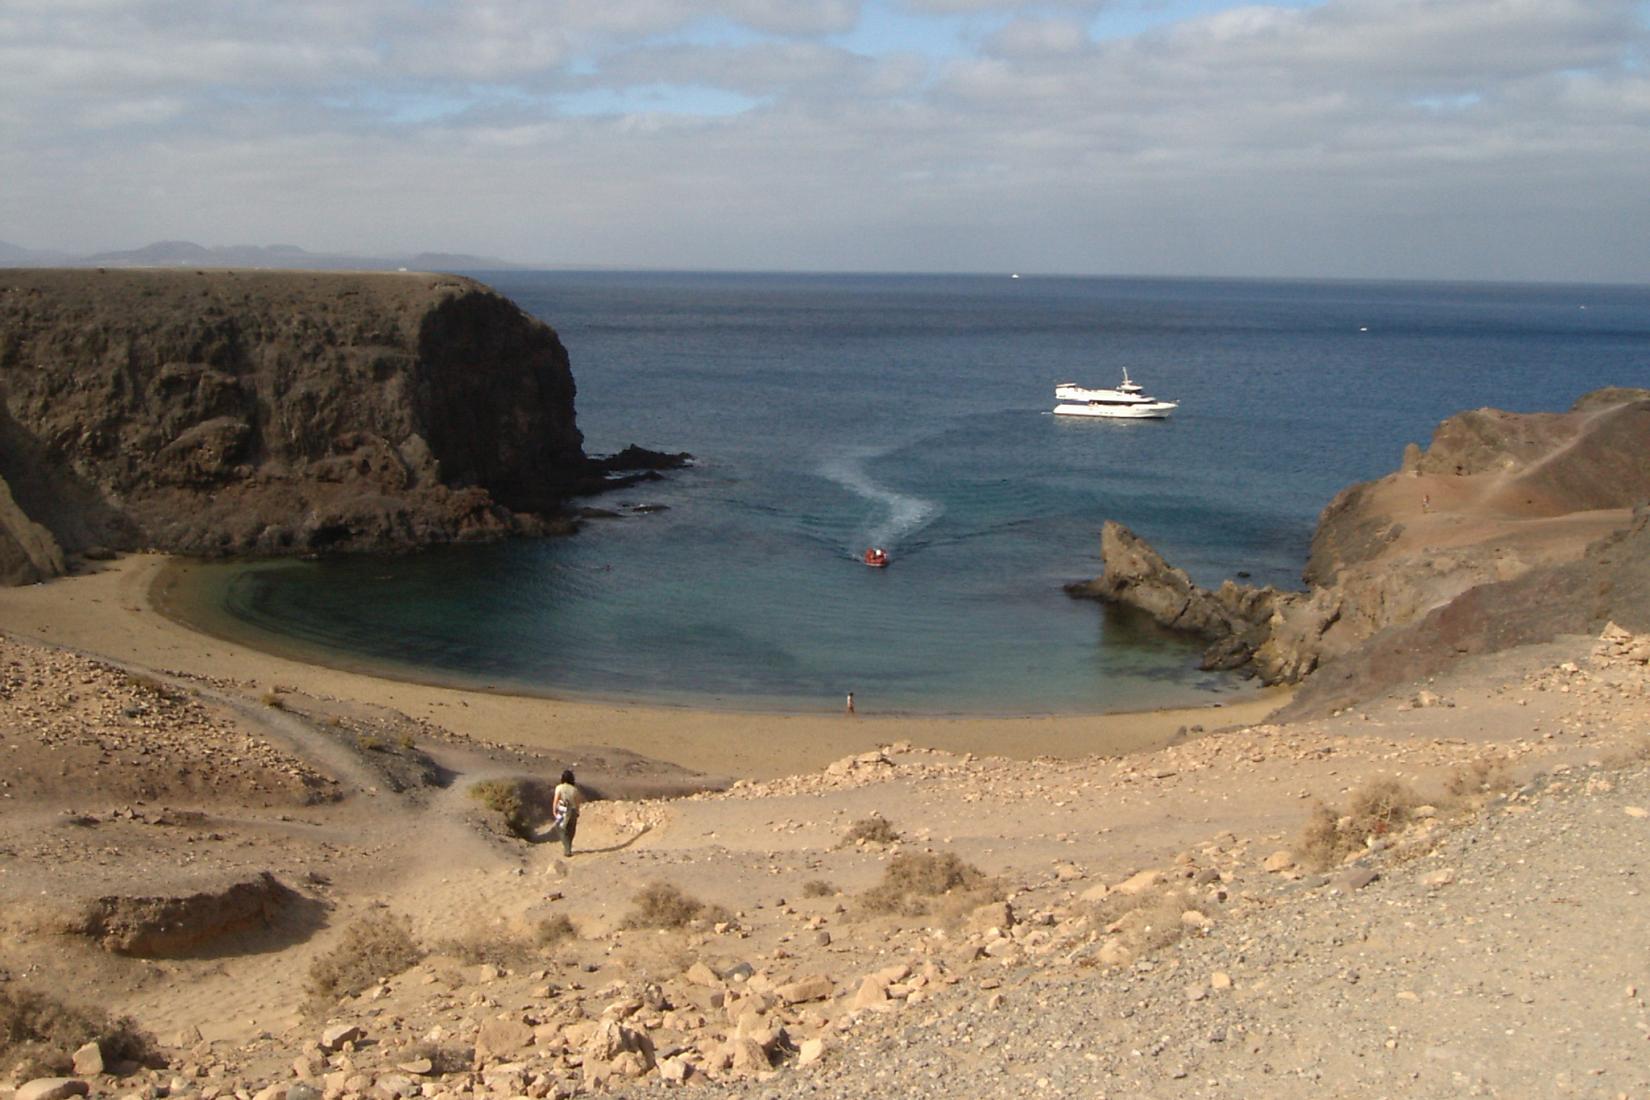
(118, 612)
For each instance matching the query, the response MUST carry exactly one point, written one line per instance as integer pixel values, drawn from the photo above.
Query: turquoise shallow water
(833, 412)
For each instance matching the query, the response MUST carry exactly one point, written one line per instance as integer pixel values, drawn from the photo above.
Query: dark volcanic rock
(1236, 617)
(238, 412)
(1611, 582)
(28, 553)
(1532, 536)
(640, 458)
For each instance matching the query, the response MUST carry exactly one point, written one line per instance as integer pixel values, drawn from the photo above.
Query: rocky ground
(299, 896)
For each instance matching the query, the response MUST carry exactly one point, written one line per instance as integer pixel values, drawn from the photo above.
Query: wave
(905, 514)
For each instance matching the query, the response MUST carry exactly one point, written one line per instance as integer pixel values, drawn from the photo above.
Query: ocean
(828, 413)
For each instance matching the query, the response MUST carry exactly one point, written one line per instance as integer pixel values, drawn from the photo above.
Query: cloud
(1356, 137)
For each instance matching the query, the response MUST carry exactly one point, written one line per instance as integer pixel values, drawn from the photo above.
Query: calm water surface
(829, 413)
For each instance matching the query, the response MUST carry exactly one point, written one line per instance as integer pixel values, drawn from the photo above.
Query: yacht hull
(1157, 410)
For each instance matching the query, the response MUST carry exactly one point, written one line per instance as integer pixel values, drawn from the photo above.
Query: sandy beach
(111, 613)
(1170, 897)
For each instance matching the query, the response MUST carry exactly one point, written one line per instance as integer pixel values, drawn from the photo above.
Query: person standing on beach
(564, 811)
(850, 702)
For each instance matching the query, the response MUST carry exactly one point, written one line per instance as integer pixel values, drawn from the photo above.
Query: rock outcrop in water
(241, 412)
(1511, 528)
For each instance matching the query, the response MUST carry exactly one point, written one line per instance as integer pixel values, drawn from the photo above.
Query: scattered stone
(745, 1055)
(1441, 877)
(997, 914)
(88, 1060)
(500, 1039)
(701, 974)
(1356, 878)
(52, 1088)
(1139, 882)
(615, 1051)
(1280, 860)
(871, 994)
(816, 988)
(334, 1037)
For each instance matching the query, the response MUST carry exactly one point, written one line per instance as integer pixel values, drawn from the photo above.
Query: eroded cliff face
(1511, 528)
(277, 412)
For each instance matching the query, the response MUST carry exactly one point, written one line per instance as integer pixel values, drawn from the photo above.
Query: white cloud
(1351, 137)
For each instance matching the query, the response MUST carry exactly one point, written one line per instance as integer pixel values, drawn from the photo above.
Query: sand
(111, 613)
(1433, 939)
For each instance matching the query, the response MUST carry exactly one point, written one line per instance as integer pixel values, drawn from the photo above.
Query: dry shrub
(1628, 756)
(660, 957)
(376, 946)
(914, 882)
(817, 888)
(1320, 841)
(1381, 806)
(505, 950)
(870, 830)
(1148, 921)
(443, 1059)
(274, 699)
(661, 905)
(508, 798)
(1486, 775)
(555, 931)
(39, 1035)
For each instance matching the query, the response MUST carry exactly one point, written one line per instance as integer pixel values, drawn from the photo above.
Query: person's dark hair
(567, 777)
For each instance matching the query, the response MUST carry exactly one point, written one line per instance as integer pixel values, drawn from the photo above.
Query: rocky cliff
(1510, 528)
(241, 412)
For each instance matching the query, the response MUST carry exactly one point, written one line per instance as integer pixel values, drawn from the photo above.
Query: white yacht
(1127, 400)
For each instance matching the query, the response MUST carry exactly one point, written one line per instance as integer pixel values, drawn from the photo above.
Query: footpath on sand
(904, 919)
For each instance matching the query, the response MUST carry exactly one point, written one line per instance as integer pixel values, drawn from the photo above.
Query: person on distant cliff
(564, 811)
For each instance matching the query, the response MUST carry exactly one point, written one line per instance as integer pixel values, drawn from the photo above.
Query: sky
(1474, 139)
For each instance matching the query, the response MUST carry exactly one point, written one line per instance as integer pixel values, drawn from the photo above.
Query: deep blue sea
(832, 412)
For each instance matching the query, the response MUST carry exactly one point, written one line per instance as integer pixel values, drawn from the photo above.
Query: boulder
(52, 1088)
(88, 1060)
(501, 1039)
(1139, 882)
(816, 988)
(616, 1052)
(335, 1037)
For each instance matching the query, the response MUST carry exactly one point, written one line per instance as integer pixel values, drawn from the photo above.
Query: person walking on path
(564, 811)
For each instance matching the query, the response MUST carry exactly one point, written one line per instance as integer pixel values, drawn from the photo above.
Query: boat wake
(902, 514)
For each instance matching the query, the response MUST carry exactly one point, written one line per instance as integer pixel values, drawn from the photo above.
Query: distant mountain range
(187, 254)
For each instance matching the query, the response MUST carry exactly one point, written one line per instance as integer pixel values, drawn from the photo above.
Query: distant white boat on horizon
(1128, 401)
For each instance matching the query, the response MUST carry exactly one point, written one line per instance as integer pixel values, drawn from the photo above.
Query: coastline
(113, 612)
